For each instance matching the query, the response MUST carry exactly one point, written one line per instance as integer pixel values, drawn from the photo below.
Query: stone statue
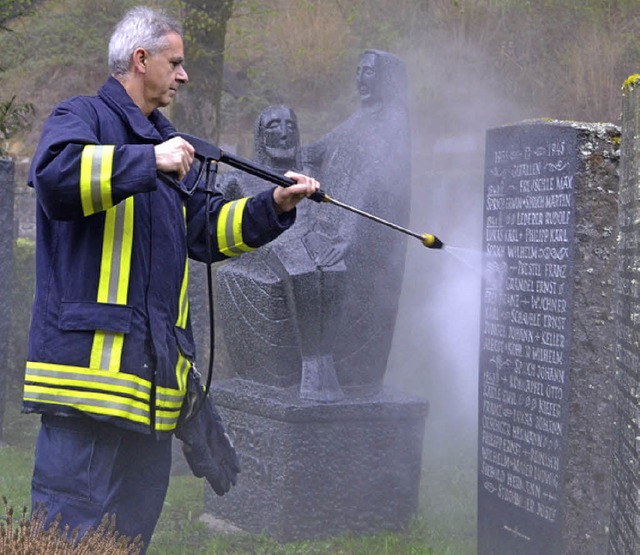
(278, 305)
(366, 162)
(308, 321)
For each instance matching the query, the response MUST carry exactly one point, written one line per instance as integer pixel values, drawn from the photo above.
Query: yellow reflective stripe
(113, 284)
(97, 403)
(96, 167)
(86, 164)
(115, 266)
(169, 397)
(96, 379)
(183, 365)
(168, 407)
(106, 169)
(101, 392)
(62, 382)
(229, 231)
(107, 350)
(183, 308)
(166, 421)
(182, 369)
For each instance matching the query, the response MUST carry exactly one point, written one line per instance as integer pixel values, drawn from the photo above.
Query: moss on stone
(630, 82)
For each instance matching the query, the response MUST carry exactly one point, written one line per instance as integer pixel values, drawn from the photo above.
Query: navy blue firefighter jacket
(110, 334)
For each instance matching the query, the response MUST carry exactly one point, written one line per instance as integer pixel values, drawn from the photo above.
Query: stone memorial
(282, 301)
(325, 448)
(625, 511)
(7, 171)
(547, 361)
(366, 162)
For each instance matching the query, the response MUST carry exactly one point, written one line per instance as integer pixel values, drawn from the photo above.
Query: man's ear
(139, 60)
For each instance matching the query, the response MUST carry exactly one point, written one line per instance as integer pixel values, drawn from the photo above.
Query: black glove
(206, 446)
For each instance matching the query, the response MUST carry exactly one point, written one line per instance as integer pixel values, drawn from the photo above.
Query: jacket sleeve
(235, 226)
(75, 176)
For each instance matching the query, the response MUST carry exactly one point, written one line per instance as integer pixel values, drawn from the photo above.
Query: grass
(180, 531)
(445, 524)
(418, 539)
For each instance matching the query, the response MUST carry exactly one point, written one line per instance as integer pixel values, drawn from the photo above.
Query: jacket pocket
(89, 316)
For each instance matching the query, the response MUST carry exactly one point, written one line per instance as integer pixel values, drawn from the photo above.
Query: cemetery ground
(445, 523)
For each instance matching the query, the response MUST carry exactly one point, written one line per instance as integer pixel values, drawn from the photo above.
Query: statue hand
(332, 253)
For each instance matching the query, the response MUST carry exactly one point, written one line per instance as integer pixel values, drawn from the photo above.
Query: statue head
(277, 140)
(381, 78)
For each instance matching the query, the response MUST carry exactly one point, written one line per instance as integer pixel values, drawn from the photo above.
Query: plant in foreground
(30, 536)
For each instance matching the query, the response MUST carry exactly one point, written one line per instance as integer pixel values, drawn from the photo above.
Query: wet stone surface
(547, 339)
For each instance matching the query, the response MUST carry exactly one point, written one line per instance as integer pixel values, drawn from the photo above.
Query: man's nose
(182, 76)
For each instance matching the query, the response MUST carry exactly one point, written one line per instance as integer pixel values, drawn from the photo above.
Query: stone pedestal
(547, 361)
(312, 470)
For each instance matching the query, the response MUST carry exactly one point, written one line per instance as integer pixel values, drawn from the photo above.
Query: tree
(13, 115)
(197, 110)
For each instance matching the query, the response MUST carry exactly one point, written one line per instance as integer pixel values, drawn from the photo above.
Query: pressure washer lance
(428, 240)
(208, 153)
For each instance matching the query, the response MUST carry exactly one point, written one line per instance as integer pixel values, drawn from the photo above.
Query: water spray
(209, 154)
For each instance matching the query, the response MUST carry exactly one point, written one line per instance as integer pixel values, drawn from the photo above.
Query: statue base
(313, 470)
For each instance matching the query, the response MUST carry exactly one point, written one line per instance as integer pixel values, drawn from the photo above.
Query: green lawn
(445, 524)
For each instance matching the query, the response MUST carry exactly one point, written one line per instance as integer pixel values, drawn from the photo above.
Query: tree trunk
(197, 107)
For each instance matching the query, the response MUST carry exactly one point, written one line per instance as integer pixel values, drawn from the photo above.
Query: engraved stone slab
(312, 470)
(625, 513)
(546, 347)
(7, 171)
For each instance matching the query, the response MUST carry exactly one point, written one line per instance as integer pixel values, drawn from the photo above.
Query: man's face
(165, 73)
(367, 79)
(280, 134)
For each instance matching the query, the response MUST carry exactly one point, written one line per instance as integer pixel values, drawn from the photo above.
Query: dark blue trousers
(85, 469)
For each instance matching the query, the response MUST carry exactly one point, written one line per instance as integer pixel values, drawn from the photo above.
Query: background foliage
(549, 58)
(472, 64)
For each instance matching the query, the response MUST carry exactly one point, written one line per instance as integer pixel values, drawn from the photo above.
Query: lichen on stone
(630, 82)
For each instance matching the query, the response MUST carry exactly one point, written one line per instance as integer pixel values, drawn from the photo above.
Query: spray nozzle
(431, 241)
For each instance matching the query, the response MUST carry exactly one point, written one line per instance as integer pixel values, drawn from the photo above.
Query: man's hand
(174, 156)
(286, 198)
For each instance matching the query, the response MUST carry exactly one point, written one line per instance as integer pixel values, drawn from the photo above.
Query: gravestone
(625, 512)
(547, 366)
(7, 171)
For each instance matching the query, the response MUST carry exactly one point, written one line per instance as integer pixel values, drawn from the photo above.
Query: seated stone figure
(366, 162)
(290, 289)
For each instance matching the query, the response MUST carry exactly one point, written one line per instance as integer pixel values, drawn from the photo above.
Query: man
(110, 343)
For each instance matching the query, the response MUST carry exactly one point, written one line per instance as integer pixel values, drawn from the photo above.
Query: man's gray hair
(141, 27)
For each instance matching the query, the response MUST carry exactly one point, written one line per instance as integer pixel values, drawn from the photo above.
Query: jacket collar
(155, 128)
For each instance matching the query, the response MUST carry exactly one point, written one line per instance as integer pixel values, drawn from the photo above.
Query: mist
(435, 350)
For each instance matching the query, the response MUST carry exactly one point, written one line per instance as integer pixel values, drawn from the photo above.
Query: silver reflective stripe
(111, 405)
(96, 180)
(113, 285)
(107, 381)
